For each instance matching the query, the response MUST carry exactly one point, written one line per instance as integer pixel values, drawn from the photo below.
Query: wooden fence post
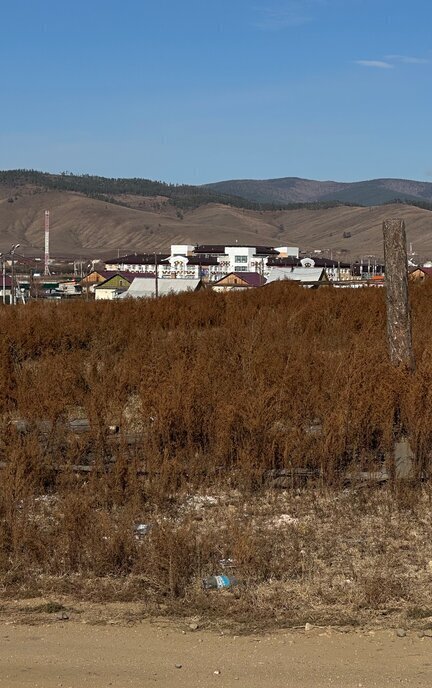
(399, 334)
(396, 279)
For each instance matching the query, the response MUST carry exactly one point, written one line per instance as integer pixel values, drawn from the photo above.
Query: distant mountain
(93, 216)
(296, 190)
(114, 190)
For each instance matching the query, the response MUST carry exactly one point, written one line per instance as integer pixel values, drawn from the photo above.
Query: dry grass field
(209, 393)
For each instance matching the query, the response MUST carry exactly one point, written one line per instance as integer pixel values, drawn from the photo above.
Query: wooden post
(398, 330)
(396, 279)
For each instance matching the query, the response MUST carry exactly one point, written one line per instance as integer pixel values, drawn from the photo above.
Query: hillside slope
(82, 226)
(296, 190)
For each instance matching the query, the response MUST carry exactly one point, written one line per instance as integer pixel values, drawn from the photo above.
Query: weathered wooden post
(399, 334)
(396, 279)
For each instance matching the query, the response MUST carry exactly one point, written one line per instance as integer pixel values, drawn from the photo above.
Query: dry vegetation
(82, 226)
(211, 391)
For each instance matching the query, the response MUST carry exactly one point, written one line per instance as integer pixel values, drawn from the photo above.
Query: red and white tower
(47, 230)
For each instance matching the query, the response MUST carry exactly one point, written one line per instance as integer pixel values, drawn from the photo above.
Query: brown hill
(82, 226)
(296, 190)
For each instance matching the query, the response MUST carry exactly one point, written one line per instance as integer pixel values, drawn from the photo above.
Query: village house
(238, 281)
(97, 277)
(335, 270)
(113, 286)
(420, 274)
(307, 276)
(145, 287)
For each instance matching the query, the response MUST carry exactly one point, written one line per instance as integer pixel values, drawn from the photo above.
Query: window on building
(240, 259)
(240, 268)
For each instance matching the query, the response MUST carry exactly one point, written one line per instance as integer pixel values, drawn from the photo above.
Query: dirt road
(76, 655)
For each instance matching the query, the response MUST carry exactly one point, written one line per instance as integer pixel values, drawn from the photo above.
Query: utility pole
(156, 277)
(12, 253)
(47, 243)
(2, 256)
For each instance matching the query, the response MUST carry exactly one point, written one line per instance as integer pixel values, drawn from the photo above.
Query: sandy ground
(76, 655)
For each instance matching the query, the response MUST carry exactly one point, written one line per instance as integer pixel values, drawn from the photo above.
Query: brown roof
(138, 259)
(426, 271)
(252, 279)
(219, 248)
(128, 276)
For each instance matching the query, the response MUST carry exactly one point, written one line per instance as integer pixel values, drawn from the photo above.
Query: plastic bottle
(219, 582)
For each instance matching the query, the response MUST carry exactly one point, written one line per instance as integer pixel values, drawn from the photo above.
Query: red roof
(252, 279)
(107, 274)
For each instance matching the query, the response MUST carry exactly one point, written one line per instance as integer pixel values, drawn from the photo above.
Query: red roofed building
(420, 274)
(239, 280)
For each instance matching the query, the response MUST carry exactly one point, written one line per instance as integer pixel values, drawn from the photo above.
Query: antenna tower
(47, 231)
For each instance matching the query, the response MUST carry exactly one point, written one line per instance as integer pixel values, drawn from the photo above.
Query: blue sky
(199, 90)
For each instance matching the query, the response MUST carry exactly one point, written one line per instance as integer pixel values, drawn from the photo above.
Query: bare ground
(76, 655)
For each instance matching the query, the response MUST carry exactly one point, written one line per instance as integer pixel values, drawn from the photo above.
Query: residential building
(144, 287)
(207, 262)
(239, 280)
(308, 276)
(420, 274)
(136, 262)
(115, 285)
(96, 277)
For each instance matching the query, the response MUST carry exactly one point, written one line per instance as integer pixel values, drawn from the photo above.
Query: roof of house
(106, 274)
(138, 259)
(290, 261)
(251, 279)
(426, 271)
(143, 287)
(296, 274)
(200, 260)
(283, 262)
(127, 276)
(219, 248)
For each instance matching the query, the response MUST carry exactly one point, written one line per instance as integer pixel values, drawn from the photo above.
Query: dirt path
(74, 655)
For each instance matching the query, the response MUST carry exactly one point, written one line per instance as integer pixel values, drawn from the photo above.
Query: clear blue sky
(199, 90)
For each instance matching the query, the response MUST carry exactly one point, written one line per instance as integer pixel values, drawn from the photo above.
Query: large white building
(208, 262)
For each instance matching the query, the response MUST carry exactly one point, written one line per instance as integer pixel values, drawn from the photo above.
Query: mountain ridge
(285, 190)
(90, 224)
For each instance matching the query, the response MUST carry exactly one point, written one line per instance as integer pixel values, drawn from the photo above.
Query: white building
(306, 275)
(208, 262)
(143, 287)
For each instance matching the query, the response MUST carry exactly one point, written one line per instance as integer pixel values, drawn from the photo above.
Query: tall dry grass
(209, 392)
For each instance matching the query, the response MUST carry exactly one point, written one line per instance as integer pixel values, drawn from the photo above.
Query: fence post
(396, 279)
(399, 335)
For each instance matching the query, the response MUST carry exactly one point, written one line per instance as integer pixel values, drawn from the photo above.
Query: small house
(307, 276)
(145, 287)
(420, 274)
(239, 281)
(112, 287)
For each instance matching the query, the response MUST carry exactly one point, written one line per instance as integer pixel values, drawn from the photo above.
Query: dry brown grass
(216, 390)
(88, 227)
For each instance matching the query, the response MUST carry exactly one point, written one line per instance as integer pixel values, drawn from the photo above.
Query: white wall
(105, 294)
(239, 259)
(182, 249)
(288, 251)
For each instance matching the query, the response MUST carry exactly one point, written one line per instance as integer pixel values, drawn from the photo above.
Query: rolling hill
(296, 190)
(83, 225)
